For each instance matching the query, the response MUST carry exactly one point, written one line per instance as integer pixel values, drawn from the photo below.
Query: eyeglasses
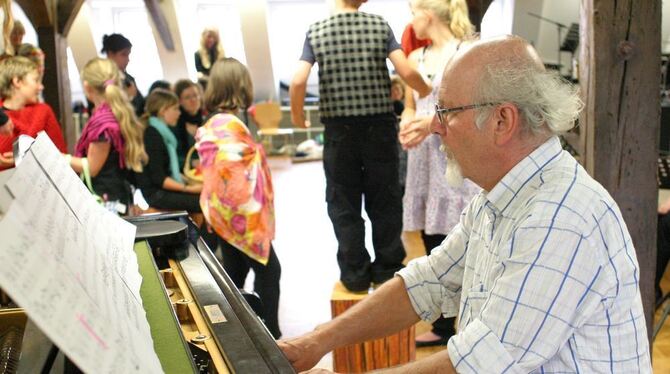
(443, 112)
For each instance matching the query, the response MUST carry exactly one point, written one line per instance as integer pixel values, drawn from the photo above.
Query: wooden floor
(306, 248)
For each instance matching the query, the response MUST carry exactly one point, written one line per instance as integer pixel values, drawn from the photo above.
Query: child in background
(111, 141)
(20, 88)
(161, 182)
(237, 198)
(191, 117)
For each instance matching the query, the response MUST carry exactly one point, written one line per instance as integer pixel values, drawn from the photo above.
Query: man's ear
(506, 124)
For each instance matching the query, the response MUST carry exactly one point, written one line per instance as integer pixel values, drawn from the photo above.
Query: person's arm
(413, 130)
(368, 319)
(298, 87)
(96, 154)
(297, 93)
(409, 74)
(172, 185)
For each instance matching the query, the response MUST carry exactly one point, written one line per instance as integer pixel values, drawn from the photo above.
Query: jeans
(360, 161)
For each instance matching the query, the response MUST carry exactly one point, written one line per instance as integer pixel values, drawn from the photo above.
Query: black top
(184, 140)
(112, 180)
(198, 61)
(158, 168)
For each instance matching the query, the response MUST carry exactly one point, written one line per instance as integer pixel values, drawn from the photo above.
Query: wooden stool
(392, 350)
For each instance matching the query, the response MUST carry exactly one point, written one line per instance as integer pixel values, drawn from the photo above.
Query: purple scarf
(102, 126)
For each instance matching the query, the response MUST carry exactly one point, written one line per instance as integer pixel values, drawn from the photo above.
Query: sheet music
(68, 262)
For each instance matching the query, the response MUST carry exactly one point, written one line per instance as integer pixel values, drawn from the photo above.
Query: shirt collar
(502, 194)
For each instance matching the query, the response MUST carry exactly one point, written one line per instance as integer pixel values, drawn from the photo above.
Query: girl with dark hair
(191, 117)
(117, 48)
(237, 197)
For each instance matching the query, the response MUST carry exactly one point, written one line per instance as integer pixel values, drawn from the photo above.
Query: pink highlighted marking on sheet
(88, 328)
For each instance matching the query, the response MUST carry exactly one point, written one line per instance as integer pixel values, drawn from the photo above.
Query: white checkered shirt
(542, 273)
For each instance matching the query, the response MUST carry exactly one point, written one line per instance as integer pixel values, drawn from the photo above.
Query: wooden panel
(375, 354)
(620, 87)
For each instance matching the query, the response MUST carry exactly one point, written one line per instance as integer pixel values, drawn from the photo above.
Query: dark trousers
(360, 161)
(443, 327)
(266, 283)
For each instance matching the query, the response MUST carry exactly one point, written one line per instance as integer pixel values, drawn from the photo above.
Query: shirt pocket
(472, 304)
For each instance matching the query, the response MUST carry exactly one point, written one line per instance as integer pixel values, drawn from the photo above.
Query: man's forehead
(453, 87)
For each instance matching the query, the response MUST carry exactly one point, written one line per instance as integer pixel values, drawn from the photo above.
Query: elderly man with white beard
(540, 270)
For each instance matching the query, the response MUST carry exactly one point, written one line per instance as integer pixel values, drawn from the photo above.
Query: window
(288, 22)
(223, 15)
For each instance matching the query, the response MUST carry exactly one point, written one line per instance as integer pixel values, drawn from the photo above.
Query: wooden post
(57, 82)
(620, 48)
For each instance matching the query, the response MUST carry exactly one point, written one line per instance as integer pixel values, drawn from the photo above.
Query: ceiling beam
(37, 12)
(160, 22)
(67, 11)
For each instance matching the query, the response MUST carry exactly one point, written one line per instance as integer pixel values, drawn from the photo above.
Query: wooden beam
(160, 22)
(620, 76)
(67, 11)
(37, 11)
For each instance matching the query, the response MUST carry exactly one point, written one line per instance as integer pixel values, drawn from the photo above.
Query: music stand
(559, 27)
(571, 42)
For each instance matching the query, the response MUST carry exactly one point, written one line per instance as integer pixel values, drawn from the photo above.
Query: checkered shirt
(542, 273)
(351, 50)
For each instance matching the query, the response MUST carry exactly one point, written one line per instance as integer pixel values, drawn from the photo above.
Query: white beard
(453, 174)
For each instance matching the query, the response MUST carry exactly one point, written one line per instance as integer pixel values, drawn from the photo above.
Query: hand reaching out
(414, 131)
(302, 352)
(7, 159)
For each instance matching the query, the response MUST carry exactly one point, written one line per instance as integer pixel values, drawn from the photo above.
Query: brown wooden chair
(267, 116)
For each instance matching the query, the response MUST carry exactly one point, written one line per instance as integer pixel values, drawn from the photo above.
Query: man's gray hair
(542, 97)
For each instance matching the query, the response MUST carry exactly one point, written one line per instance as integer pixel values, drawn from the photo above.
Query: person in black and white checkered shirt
(360, 154)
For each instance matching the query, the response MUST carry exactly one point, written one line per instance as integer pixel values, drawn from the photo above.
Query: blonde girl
(112, 140)
(210, 50)
(430, 205)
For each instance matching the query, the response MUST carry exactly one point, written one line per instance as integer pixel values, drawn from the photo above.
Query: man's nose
(436, 127)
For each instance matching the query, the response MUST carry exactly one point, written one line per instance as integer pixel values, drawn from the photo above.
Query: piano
(199, 320)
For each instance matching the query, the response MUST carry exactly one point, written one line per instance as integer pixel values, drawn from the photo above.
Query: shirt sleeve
(391, 43)
(434, 282)
(307, 52)
(550, 280)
